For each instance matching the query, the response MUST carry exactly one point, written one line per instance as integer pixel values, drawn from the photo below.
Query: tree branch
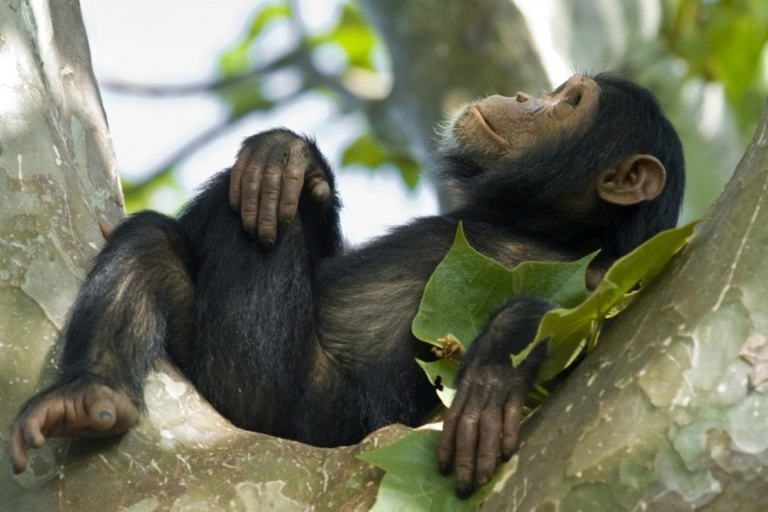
(179, 156)
(291, 58)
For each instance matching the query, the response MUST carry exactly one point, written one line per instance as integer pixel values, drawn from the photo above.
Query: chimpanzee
(286, 333)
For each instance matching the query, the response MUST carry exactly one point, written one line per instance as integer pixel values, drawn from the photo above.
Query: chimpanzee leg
(137, 298)
(136, 301)
(255, 343)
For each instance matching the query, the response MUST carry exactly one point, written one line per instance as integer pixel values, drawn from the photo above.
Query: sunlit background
(171, 78)
(181, 43)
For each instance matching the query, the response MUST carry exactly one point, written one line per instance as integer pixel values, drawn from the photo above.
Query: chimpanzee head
(595, 159)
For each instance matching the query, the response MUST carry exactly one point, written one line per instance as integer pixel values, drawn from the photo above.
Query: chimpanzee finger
(17, 449)
(489, 444)
(106, 228)
(317, 184)
(109, 412)
(27, 432)
(236, 177)
(465, 461)
(513, 415)
(269, 198)
(100, 405)
(293, 181)
(33, 435)
(250, 192)
(447, 445)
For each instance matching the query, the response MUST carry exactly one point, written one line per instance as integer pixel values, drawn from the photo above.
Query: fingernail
(463, 491)
(482, 480)
(505, 456)
(105, 416)
(445, 469)
(267, 244)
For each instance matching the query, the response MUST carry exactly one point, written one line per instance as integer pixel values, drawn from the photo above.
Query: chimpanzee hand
(482, 423)
(484, 419)
(268, 177)
(85, 407)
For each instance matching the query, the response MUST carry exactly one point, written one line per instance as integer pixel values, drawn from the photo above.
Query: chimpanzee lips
(486, 126)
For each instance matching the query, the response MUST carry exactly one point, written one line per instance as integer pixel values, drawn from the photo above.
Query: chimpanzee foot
(83, 408)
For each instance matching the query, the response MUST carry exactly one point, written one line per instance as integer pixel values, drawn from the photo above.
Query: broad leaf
(570, 330)
(445, 370)
(467, 288)
(413, 482)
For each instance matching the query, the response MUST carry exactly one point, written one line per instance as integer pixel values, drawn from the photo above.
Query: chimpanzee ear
(635, 179)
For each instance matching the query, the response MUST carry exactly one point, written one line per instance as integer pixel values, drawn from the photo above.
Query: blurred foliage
(138, 195)
(724, 41)
(354, 35)
(367, 153)
(721, 40)
(244, 72)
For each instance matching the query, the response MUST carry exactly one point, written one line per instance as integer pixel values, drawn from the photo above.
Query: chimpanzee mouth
(486, 126)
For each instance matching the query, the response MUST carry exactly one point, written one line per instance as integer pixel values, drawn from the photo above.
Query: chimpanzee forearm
(510, 331)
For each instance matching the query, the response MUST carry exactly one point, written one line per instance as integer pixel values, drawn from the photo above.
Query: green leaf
(364, 151)
(467, 288)
(236, 61)
(367, 153)
(409, 171)
(244, 97)
(268, 14)
(571, 330)
(462, 293)
(137, 195)
(413, 482)
(723, 41)
(354, 35)
(446, 371)
(562, 283)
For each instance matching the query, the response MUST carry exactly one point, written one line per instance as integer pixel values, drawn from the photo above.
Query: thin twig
(289, 59)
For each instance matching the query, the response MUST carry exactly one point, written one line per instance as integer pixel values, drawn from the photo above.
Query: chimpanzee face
(500, 127)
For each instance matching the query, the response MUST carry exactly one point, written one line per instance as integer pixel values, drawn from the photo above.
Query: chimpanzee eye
(574, 100)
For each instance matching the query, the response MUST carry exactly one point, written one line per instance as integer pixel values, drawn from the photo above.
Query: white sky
(179, 42)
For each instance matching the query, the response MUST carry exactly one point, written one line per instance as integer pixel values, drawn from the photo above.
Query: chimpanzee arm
(137, 297)
(484, 418)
